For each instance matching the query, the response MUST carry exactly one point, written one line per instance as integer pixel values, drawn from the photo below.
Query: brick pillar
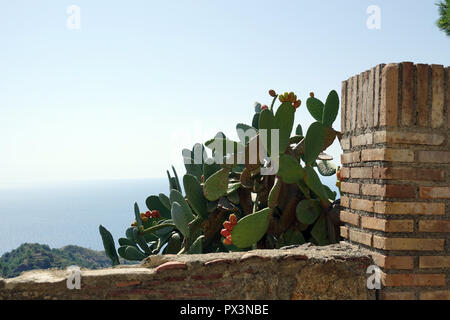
(396, 171)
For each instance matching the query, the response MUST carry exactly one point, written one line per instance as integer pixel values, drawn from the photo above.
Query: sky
(121, 96)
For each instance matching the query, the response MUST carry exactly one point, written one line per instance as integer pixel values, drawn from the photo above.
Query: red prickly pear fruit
(296, 104)
(338, 175)
(227, 241)
(227, 225)
(264, 107)
(225, 233)
(311, 94)
(156, 214)
(233, 219)
(148, 214)
(272, 93)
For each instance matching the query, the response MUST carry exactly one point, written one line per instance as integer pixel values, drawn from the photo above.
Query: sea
(70, 212)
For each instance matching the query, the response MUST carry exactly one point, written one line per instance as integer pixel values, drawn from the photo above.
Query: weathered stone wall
(306, 272)
(396, 170)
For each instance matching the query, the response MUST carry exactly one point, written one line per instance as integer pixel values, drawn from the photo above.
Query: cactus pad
(216, 185)
(250, 229)
(308, 211)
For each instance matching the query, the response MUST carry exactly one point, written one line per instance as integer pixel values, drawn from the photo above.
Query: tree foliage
(444, 16)
(30, 256)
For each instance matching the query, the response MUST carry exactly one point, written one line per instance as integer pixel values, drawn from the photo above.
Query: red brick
(410, 244)
(425, 208)
(435, 295)
(387, 225)
(389, 95)
(399, 191)
(363, 97)
(377, 100)
(350, 187)
(345, 173)
(344, 232)
(213, 276)
(413, 280)
(349, 106)
(354, 101)
(361, 173)
(349, 217)
(406, 137)
(128, 284)
(373, 223)
(343, 106)
(389, 191)
(393, 262)
(434, 262)
(448, 96)
(434, 156)
(392, 155)
(362, 140)
(345, 144)
(434, 192)
(398, 295)
(351, 157)
(360, 237)
(429, 174)
(370, 98)
(434, 226)
(422, 95)
(361, 204)
(345, 202)
(438, 89)
(359, 108)
(400, 173)
(174, 279)
(408, 108)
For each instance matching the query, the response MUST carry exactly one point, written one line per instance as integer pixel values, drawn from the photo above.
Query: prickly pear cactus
(232, 202)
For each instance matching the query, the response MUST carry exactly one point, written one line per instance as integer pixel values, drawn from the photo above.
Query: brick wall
(396, 172)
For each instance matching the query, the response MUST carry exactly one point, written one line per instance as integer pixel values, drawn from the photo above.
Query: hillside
(31, 256)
